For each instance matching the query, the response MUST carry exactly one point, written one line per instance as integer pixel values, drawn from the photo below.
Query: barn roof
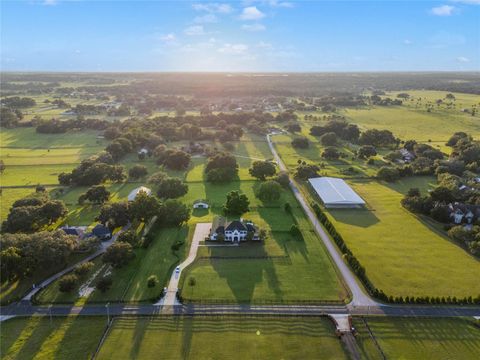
(335, 192)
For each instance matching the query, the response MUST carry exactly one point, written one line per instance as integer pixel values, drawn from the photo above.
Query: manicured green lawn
(421, 338)
(402, 255)
(281, 269)
(130, 281)
(222, 338)
(63, 338)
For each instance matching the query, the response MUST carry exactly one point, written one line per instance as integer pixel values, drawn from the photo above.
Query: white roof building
(336, 193)
(133, 194)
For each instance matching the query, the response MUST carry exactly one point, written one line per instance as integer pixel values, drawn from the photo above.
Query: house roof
(235, 225)
(335, 191)
(133, 194)
(71, 230)
(100, 230)
(200, 201)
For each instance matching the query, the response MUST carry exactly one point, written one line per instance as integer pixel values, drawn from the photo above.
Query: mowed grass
(409, 123)
(222, 338)
(130, 281)
(62, 338)
(403, 256)
(280, 269)
(419, 338)
(8, 197)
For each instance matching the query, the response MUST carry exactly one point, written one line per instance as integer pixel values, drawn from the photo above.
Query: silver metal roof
(335, 191)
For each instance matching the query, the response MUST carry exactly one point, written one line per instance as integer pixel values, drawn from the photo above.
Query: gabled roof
(236, 225)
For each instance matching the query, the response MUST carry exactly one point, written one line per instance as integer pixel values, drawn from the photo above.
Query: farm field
(419, 338)
(407, 123)
(222, 338)
(402, 255)
(62, 338)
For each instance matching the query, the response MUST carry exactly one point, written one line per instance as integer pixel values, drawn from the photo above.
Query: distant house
(133, 194)
(407, 155)
(462, 213)
(73, 230)
(102, 232)
(200, 204)
(234, 231)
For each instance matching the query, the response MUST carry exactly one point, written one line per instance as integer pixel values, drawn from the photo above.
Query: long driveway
(103, 247)
(170, 298)
(359, 296)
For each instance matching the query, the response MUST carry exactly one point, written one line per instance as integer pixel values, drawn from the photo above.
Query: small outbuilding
(102, 232)
(200, 204)
(134, 193)
(336, 193)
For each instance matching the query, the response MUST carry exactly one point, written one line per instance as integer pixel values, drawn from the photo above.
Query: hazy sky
(270, 35)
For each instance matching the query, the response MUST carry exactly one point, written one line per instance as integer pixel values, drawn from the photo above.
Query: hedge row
(359, 270)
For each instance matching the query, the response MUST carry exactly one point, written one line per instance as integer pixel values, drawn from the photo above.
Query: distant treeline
(242, 84)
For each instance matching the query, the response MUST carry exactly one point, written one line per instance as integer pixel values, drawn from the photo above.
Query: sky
(240, 36)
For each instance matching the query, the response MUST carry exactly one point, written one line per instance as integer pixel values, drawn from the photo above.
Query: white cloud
(208, 18)
(194, 30)
(168, 37)
(238, 49)
(254, 27)
(264, 45)
(463, 59)
(443, 10)
(213, 8)
(407, 42)
(251, 13)
(50, 2)
(276, 3)
(470, 2)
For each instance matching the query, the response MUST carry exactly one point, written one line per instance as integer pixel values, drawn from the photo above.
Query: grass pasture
(222, 338)
(62, 338)
(402, 255)
(418, 338)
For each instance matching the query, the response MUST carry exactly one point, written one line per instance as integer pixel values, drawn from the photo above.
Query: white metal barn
(336, 193)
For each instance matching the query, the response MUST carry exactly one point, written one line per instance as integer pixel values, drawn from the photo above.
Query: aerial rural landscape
(248, 205)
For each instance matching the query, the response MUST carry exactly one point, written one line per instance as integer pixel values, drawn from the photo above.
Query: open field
(407, 123)
(62, 338)
(403, 256)
(222, 338)
(402, 338)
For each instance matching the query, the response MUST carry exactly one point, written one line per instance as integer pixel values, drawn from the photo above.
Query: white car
(177, 270)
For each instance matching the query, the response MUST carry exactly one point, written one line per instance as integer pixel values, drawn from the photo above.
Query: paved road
(103, 247)
(26, 309)
(359, 296)
(170, 299)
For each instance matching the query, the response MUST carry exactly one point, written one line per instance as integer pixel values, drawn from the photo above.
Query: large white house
(335, 193)
(134, 193)
(234, 231)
